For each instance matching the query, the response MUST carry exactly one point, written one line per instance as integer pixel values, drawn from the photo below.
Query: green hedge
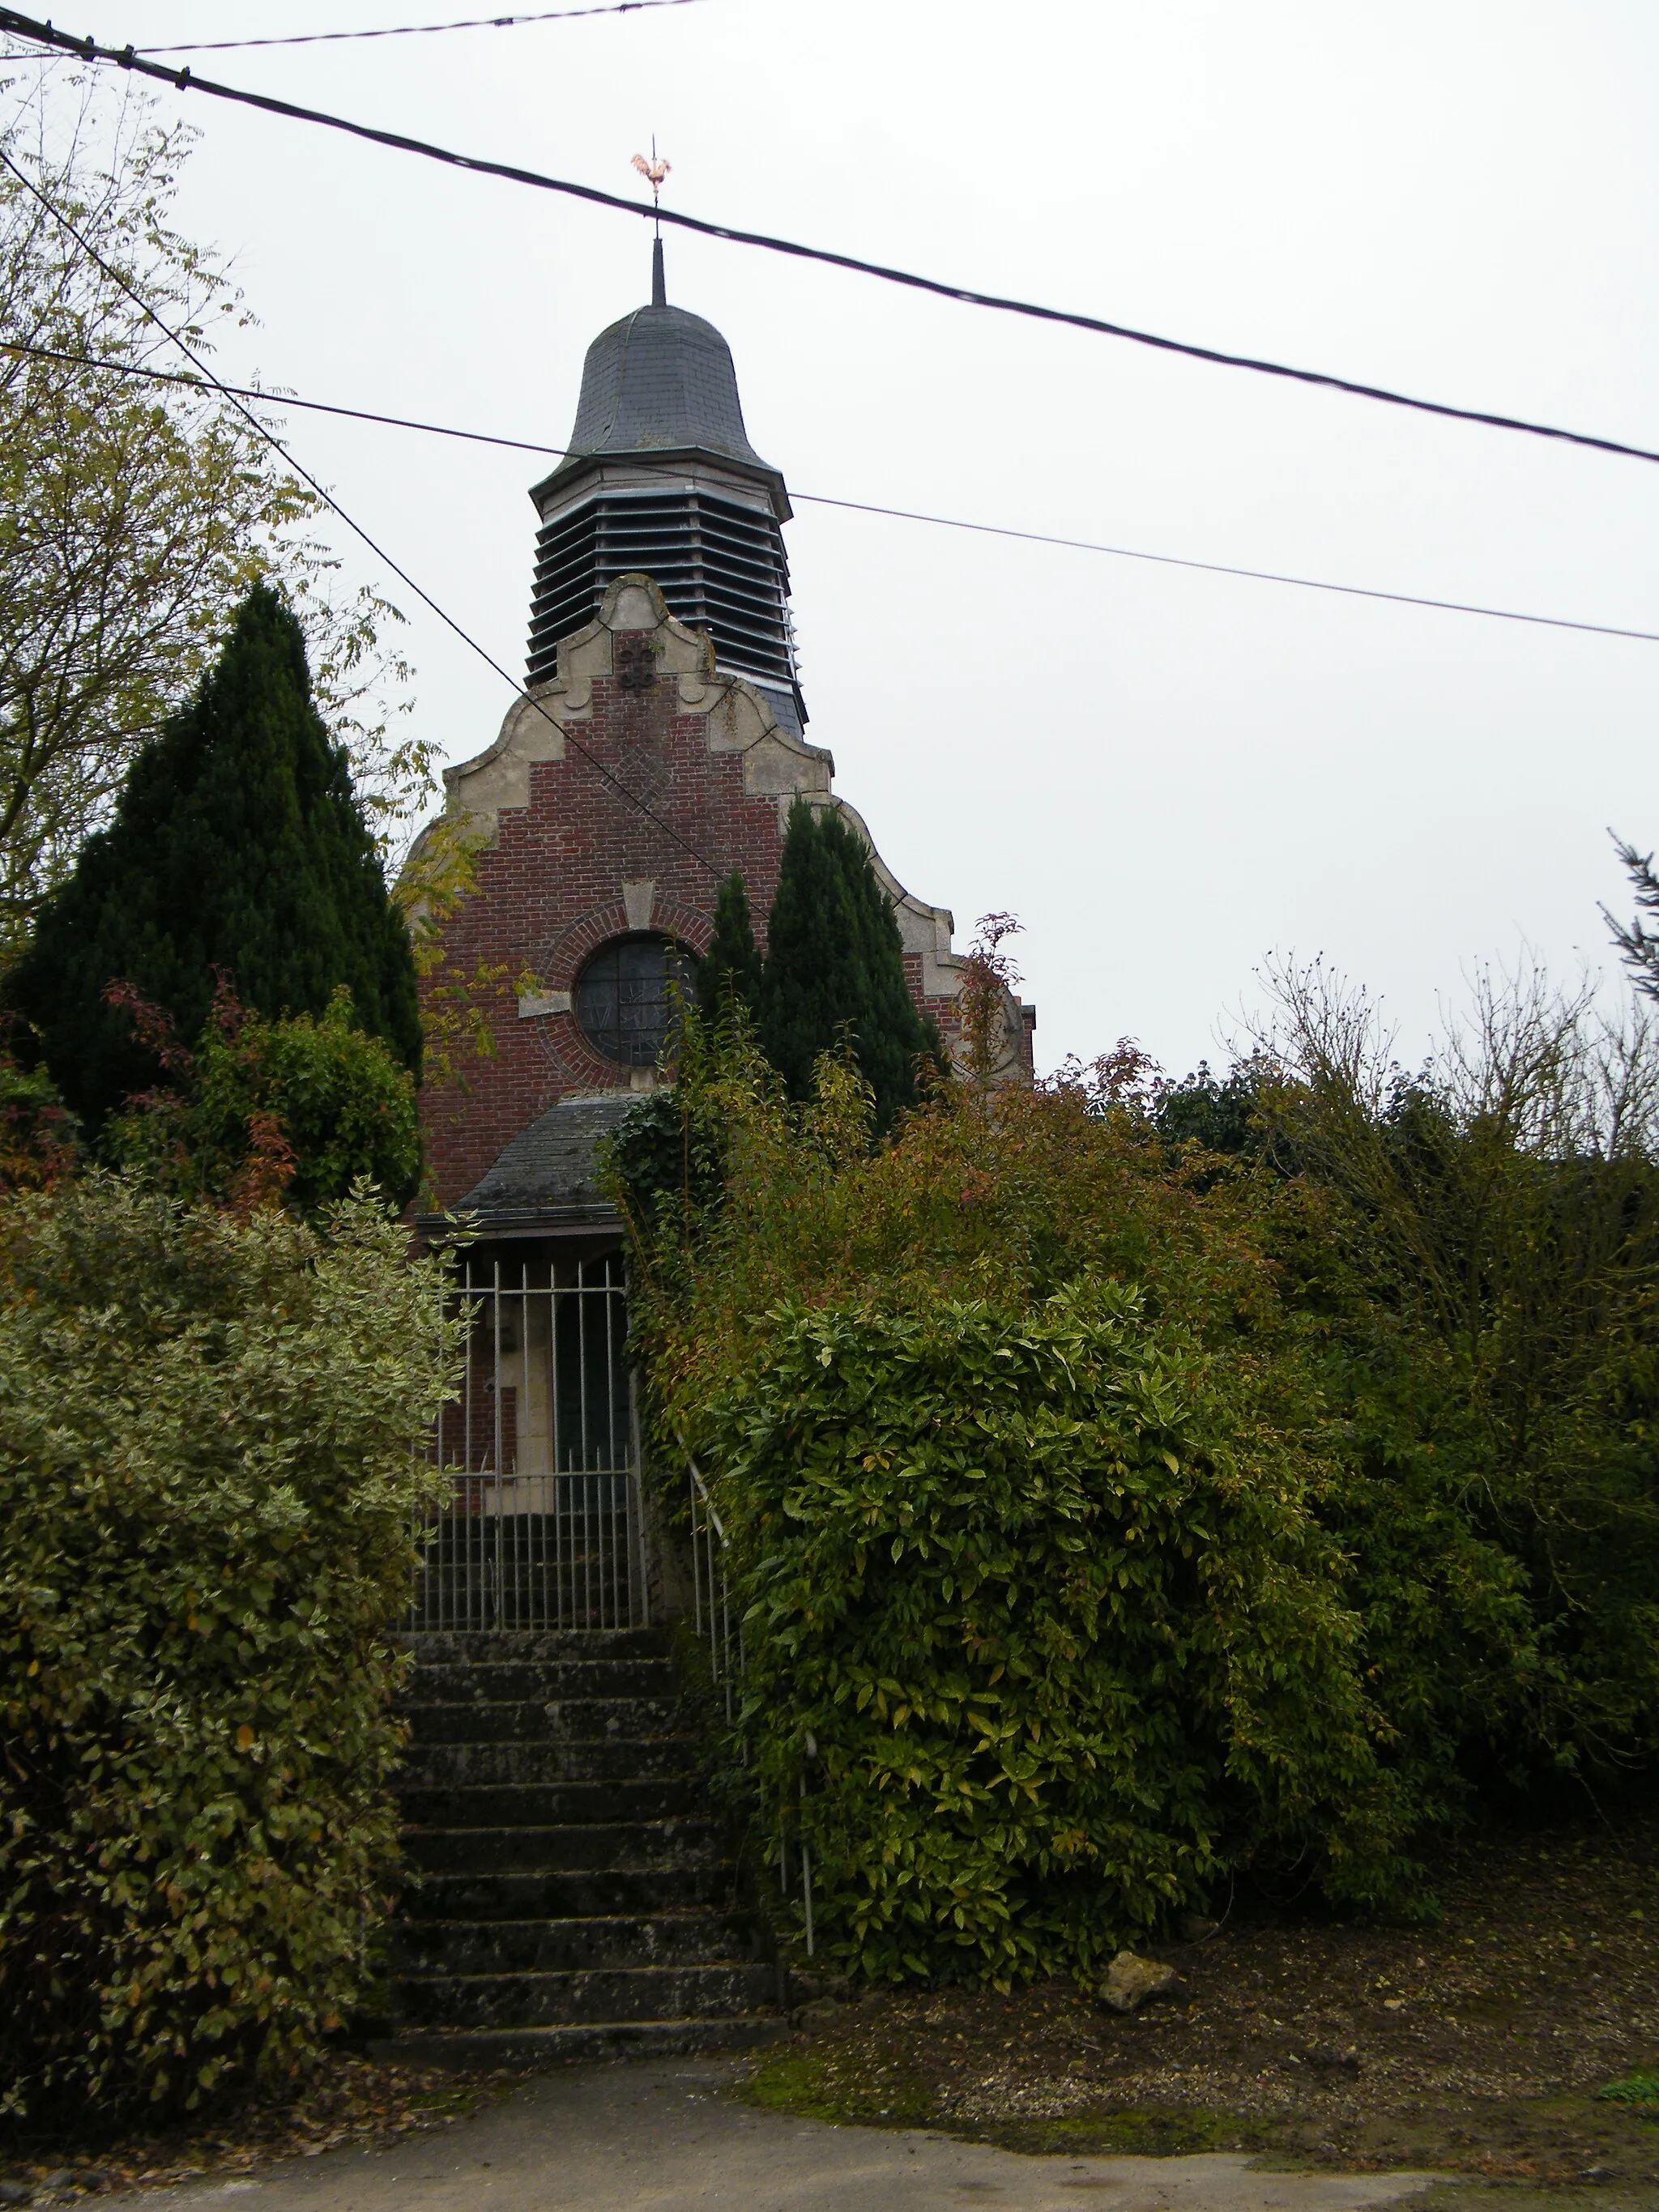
(1033, 1597)
(206, 1493)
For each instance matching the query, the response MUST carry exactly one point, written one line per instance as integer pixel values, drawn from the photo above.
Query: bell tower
(660, 747)
(661, 479)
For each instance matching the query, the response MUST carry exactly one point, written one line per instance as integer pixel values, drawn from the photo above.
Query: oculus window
(629, 994)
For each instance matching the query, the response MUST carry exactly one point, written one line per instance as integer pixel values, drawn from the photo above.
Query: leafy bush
(206, 1496)
(664, 1161)
(986, 1334)
(1033, 1599)
(296, 1109)
(1405, 1337)
(38, 1136)
(1476, 1246)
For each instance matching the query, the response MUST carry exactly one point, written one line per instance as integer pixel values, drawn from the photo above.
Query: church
(575, 1893)
(659, 743)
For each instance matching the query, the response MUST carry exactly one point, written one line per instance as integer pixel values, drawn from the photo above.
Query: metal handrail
(709, 1572)
(712, 1613)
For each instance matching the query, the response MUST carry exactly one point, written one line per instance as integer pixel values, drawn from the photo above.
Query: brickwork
(573, 861)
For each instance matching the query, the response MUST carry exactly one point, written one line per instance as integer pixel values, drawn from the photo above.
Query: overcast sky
(1168, 776)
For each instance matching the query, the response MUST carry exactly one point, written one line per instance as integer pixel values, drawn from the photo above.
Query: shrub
(39, 1136)
(1476, 1246)
(1399, 1338)
(987, 1332)
(1033, 1599)
(206, 1496)
(665, 1164)
(296, 1109)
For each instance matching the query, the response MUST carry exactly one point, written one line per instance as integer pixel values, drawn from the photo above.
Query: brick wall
(573, 861)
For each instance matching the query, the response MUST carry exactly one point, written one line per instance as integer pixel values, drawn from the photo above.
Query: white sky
(1166, 775)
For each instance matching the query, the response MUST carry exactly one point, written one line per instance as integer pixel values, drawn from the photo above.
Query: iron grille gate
(542, 1526)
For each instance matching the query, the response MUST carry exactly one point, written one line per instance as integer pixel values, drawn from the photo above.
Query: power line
(27, 27)
(862, 507)
(1226, 568)
(351, 523)
(419, 30)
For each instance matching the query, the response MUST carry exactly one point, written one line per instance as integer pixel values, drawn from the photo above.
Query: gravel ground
(1476, 2044)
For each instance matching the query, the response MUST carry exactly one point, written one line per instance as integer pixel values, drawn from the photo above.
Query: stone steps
(541, 2046)
(564, 1848)
(494, 1765)
(551, 1804)
(590, 1650)
(598, 1893)
(562, 1720)
(569, 1893)
(589, 1999)
(576, 1945)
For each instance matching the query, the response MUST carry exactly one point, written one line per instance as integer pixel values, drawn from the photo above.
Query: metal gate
(542, 1527)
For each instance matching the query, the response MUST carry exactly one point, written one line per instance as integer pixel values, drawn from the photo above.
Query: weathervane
(655, 174)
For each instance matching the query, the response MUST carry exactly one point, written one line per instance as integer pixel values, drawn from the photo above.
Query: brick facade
(637, 719)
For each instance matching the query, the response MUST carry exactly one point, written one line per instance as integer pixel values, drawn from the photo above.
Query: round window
(628, 994)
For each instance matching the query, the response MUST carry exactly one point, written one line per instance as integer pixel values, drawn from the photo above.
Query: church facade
(660, 744)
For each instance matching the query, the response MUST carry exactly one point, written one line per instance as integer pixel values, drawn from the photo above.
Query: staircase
(569, 1894)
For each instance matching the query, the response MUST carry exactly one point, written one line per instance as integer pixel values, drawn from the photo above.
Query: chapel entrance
(541, 1529)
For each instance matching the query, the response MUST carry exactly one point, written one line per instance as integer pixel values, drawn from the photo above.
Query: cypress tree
(835, 965)
(237, 846)
(730, 968)
(892, 1034)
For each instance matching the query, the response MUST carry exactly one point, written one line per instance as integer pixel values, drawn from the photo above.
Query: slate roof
(661, 381)
(546, 1176)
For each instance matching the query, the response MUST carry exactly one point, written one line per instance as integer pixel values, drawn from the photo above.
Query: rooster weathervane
(655, 174)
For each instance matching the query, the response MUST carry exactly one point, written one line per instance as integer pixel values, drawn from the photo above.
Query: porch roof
(544, 1182)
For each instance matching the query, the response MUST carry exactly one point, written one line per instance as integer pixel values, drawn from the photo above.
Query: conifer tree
(237, 848)
(835, 965)
(892, 1035)
(730, 972)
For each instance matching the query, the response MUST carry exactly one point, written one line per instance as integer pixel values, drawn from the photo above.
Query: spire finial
(655, 174)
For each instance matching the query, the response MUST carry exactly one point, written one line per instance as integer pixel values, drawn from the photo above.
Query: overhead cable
(350, 522)
(27, 27)
(1227, 568)
(418, 30)
(857, 506)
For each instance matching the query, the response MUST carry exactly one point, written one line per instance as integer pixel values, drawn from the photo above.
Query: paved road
(658, 2137)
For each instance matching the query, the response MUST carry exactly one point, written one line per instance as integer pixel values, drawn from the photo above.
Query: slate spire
(660, 476)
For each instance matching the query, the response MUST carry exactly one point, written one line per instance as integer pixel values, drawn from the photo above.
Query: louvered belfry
(661, 477)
